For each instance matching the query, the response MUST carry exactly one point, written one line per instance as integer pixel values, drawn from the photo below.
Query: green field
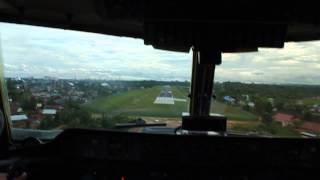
(140, 103)
(310, 101)
(232, 112)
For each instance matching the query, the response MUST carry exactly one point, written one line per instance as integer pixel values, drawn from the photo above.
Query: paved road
(165, 96)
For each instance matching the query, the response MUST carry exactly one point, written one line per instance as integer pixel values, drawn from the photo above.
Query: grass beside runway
(140, 103)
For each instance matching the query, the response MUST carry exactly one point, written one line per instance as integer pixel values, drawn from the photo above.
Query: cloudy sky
(37, 51)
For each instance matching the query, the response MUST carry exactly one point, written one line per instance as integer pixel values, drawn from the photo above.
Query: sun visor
(226, 37)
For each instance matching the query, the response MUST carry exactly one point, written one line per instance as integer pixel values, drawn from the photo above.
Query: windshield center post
(199, 117)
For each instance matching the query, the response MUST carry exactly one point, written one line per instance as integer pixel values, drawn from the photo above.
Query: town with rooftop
(48, 103)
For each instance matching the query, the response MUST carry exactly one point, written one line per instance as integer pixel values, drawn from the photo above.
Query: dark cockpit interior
(201, 148)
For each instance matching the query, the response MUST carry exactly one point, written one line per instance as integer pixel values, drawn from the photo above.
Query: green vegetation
(310, 101)
(278, 92)
(101, 104)
(274, 129)
(75, 116)
(232, 112)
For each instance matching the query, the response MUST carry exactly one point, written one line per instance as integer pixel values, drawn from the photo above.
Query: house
(229, 99)
(20, 117)
(19, 110)
(37, 117)
(105, 84)
(19, 121)
(246, 97)
(49, 111)
(78, 93)
(315, 108)
(310, 127)
(41, 95)
(284, 119)
(71, 84)
(14, 108)
(251, 104)
(38, 105)
(56, 107)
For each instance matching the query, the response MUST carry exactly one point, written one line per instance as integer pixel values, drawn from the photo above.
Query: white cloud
(60, 53)
(287, 62)
(34, 51)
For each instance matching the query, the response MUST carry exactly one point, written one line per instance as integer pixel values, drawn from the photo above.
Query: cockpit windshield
(58, 79)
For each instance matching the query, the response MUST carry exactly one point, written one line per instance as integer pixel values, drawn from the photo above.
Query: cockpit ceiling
(227, 26)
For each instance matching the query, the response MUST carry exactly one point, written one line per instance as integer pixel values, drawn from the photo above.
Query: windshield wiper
(131, 125)
(21, 134)
(138, 123)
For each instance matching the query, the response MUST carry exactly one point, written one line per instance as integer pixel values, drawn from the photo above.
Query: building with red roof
(56, 107)
(309, 126)
(37, 117)
(13, 108)
(284, 119)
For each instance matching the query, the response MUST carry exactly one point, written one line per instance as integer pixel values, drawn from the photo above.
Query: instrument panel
(139, 155)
